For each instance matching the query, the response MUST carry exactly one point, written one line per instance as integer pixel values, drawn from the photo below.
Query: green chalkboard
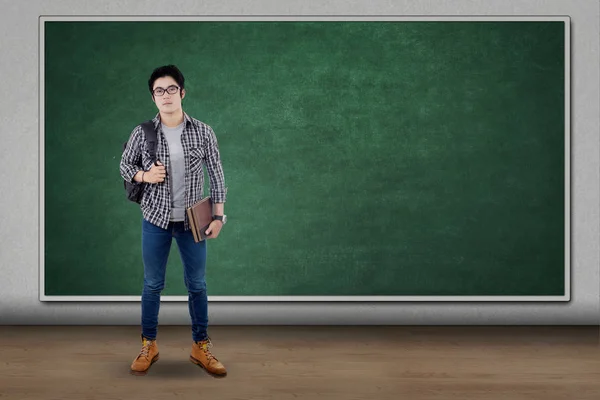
(363, 158)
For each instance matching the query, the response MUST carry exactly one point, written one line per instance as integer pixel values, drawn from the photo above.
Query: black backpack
(135, 191)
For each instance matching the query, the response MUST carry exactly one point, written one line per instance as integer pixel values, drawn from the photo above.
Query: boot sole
(142, 373)
(197, 362)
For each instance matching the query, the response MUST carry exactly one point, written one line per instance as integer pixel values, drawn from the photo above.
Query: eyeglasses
(160, 91)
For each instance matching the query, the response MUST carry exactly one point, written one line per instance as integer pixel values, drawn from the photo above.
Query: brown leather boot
(202, 356)
(148, 356)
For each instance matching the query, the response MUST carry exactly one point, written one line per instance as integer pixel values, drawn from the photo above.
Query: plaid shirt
(199, 148)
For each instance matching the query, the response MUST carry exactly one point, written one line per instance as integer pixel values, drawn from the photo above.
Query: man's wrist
(221, 218)
(137, 177)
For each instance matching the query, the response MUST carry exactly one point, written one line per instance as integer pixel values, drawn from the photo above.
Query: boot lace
(205, 345)
(145, 349)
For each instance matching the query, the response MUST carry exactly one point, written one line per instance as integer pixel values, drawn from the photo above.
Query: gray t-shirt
(177, 172)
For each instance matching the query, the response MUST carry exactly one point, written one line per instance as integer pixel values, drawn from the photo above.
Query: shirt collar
(156, 120)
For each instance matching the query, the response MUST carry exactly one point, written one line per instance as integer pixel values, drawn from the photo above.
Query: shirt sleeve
(212, 160)
(130, 160)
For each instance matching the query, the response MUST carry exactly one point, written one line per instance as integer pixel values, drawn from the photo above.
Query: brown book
(200, 216)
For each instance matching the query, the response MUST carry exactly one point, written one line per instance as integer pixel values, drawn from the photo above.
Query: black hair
(166, 70)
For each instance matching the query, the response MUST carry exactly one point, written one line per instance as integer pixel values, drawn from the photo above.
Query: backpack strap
(151, 140)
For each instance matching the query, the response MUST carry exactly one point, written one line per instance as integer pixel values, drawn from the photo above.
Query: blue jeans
(156, 245)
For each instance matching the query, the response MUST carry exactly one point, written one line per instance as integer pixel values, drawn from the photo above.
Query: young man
(172, 184)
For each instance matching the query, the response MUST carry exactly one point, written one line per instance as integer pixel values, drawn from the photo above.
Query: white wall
(19, 225)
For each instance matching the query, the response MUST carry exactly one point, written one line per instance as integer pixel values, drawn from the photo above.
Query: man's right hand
(156, 174)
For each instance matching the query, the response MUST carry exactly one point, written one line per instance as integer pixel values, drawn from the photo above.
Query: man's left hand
(213, 229)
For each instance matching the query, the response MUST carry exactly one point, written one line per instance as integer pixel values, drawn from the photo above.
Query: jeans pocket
(149, 227)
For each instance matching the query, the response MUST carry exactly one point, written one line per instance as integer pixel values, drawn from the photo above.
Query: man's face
(169, 102)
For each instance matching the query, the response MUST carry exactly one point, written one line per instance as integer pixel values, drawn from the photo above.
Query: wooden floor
(508, 363)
